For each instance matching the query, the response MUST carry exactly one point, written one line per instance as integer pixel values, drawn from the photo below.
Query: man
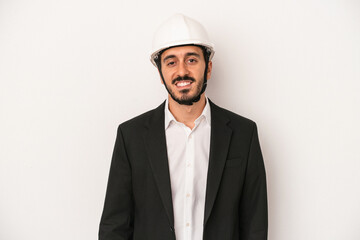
(187, 169)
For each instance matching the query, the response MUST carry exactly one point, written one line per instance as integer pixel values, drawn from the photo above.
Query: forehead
(182, 51)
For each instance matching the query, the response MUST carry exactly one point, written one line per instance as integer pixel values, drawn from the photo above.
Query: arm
(118, 214)
(253, 205)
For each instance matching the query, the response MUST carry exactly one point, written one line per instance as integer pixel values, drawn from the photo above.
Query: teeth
(181, 84)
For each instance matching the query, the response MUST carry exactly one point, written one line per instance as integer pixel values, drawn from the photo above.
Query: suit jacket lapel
(219, 144)
(155, 141)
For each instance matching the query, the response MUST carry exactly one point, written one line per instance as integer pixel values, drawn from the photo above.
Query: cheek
(167, 77)
(201, 74)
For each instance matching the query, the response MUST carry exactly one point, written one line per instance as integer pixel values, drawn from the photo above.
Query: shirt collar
(205, 114)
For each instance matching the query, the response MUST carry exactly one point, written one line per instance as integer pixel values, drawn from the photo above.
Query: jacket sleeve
(118, 213)
(253, 205)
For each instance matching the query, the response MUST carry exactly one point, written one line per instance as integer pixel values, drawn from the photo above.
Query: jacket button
(172, 229)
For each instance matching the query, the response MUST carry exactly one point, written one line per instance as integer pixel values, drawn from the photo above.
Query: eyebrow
(186, 55)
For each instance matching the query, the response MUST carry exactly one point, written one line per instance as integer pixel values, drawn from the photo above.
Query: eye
(192, 60)
(170, 63)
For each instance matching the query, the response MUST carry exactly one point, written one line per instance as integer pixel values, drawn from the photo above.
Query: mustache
(179, 78)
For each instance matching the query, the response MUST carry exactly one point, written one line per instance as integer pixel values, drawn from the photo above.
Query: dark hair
(206, 52)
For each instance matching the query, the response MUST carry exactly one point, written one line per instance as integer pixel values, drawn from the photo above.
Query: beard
(185, 98)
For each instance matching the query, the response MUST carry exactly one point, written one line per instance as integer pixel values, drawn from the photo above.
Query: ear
(208, 74)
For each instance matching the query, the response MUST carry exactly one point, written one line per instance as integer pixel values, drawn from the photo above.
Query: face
(183, 72)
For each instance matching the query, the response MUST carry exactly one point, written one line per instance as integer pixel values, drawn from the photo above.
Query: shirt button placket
(188, 182)
(191, 181)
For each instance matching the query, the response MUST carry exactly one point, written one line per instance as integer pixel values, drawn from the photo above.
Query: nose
(182, 69)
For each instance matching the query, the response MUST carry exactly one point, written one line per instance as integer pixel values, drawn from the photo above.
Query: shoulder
(243, 130)
(236, 121)
(141, 121)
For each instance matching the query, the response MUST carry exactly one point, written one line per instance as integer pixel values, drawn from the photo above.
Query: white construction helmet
(180, 30)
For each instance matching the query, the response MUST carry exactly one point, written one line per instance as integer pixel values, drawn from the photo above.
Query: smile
(183, 83)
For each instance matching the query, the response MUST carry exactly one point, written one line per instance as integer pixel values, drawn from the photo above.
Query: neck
(187, 114)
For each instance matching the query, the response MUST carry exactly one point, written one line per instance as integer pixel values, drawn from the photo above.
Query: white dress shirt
(188, 155)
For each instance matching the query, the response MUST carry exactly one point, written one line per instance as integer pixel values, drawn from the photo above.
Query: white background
(72, 70)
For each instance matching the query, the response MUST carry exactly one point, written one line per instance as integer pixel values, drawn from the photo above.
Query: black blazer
(138, 203)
